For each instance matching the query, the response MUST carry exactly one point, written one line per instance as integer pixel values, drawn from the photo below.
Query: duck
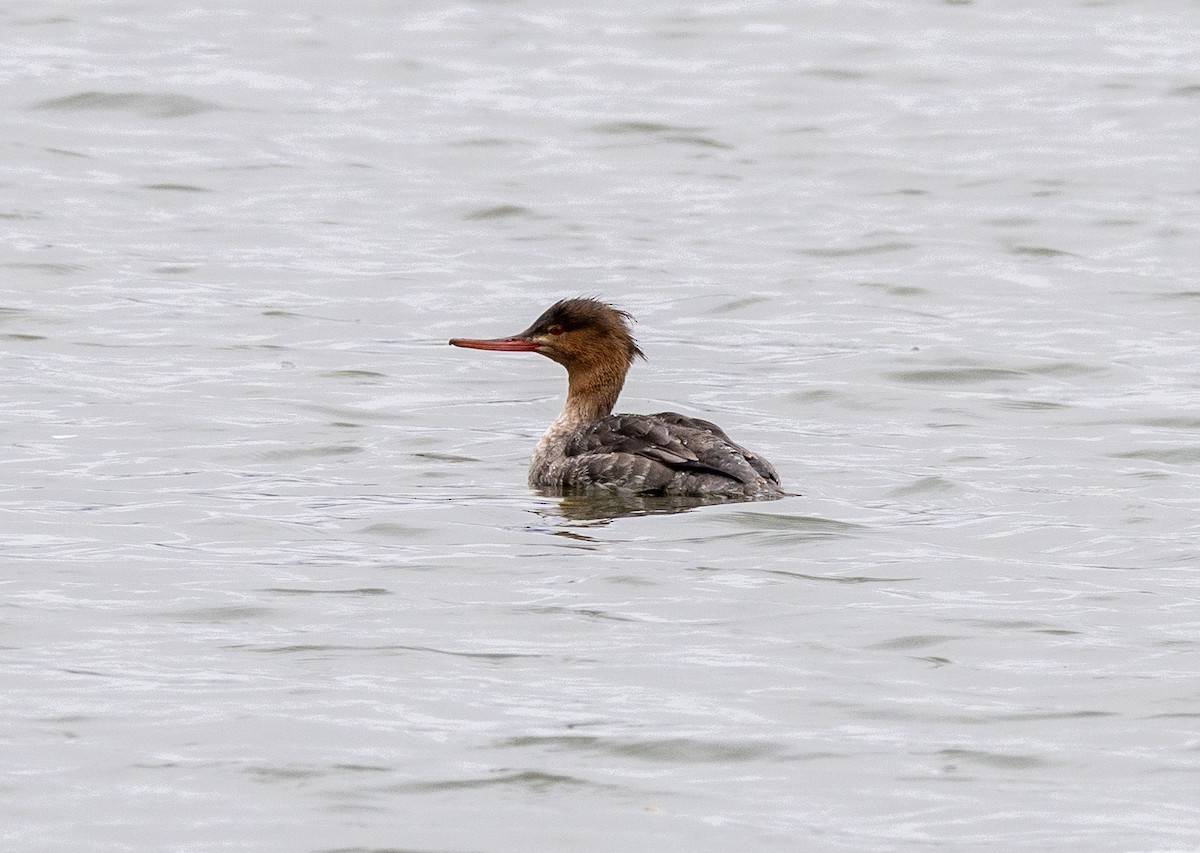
(588, 448)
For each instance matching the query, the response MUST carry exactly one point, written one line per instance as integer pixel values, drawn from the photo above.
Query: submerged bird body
(587, 447)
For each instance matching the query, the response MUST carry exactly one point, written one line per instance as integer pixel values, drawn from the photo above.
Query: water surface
(273, 579)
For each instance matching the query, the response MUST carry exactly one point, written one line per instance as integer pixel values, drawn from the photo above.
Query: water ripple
(145, 104)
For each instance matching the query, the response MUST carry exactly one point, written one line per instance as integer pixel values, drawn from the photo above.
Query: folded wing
(667, 448)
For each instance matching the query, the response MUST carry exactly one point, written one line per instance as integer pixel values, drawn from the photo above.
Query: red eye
(555, 330)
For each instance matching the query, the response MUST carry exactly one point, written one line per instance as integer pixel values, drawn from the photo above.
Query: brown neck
(592, 392)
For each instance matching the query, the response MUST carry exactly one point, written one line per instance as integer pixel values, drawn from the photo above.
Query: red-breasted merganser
(587, 447)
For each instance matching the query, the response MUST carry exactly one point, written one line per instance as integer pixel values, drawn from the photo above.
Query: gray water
(272, 579)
